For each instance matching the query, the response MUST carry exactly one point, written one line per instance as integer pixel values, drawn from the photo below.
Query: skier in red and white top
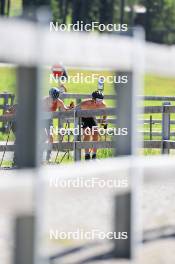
(52, 103)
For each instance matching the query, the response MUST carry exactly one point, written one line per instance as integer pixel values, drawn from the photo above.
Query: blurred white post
(124, 115)
(24, 239)
(27, 151)
(127, 117)
(123, 221)
(27, 118)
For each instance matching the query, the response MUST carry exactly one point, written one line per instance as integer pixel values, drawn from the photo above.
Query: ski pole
(60, 141)
(5, 146)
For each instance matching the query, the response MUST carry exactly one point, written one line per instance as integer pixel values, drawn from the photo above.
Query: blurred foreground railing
(154, 170)
(32, 46)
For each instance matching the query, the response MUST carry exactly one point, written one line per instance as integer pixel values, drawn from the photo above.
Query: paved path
(92, 209)
(9, 155)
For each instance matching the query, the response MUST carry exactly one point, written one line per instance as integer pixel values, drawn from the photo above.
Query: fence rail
(28, 34)
(63, 146)
(165, 144)
(99, 112)
(159, 109)
(111, 97)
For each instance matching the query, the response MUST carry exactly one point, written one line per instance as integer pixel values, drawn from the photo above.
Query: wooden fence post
(165, 127)
(68, 138)
(77, 125)
(151, 127)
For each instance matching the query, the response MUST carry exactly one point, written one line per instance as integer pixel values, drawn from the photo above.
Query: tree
(5, 7)
(35, 3)
(8, 7)
(2, 7)
(106, 11)
(160, 20)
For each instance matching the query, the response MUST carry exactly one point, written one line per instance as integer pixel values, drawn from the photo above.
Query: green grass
(154, 85)
(7, 80)
(16, 8)
(162, 87)
(159, 86)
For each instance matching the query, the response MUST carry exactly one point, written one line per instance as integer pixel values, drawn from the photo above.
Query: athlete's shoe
(94, 156)
(48, 156)
(87, 156)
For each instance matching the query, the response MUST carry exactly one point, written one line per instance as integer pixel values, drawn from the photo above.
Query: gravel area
(87, 209)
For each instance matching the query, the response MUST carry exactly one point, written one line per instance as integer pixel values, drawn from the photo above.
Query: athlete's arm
(10, 112)
(63, 107)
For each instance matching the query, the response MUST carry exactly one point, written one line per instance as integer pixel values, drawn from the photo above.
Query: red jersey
(50, 105)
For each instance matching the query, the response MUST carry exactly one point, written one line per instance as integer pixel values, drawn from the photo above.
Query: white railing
(28, 44)
(93, 50)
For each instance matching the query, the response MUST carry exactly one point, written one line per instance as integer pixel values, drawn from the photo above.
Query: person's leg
(49, 139)
(95, 137)
(48, 153)
(13, 128)
(87, 137)
(14, 162)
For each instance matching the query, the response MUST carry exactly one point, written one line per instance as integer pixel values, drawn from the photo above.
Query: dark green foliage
(158, 21)
(4, 7)
(35, 3)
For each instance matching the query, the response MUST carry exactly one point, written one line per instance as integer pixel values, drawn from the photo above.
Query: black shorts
(89, 122)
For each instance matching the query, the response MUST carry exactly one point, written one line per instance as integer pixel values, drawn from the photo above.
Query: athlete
(51, 104)
(89, 124)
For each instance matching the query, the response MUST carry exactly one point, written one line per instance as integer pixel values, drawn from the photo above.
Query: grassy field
(154, 85)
